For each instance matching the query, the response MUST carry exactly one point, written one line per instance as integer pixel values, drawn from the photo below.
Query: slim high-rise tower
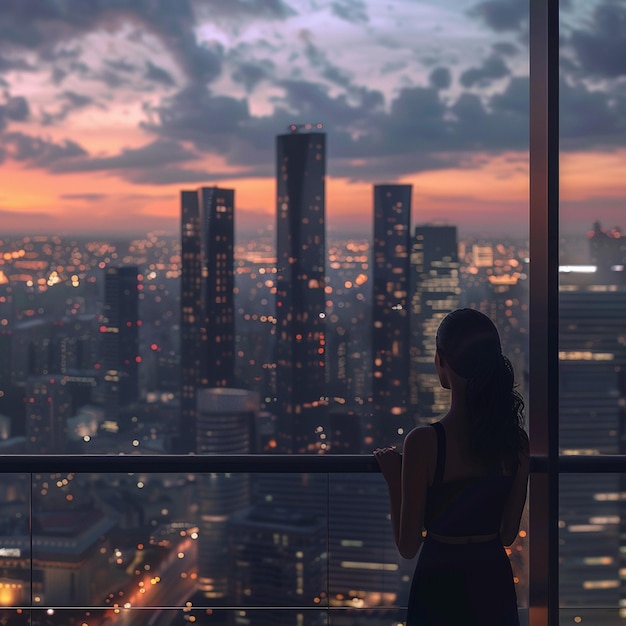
(391, 332)
(120, 329)
(300, 283)
(206, 299)
(434, 293)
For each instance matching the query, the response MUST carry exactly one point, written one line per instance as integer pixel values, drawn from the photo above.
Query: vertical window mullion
(544, 300)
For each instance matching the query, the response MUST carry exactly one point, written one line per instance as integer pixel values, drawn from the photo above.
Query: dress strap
(441, 453)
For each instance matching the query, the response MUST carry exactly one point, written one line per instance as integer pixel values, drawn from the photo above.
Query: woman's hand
(390, 462)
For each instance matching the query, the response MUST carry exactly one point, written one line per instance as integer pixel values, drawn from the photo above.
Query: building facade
(120, 333)
(207, 319)
(435, 292)
(391, 330)
(300, 296)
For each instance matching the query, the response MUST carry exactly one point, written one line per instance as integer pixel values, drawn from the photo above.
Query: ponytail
(470, 343)
(496, 415)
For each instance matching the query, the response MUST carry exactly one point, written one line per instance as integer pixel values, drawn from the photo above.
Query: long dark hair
(469, 341)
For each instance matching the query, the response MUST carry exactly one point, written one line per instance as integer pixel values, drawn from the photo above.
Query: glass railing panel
(148, 548)
(591, 548)
(17, 582)
(113, 544)
(368, 579)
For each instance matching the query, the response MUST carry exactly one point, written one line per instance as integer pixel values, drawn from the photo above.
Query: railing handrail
(258, 463)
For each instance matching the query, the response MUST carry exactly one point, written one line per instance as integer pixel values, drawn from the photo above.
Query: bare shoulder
(421, 439)
(420, 452)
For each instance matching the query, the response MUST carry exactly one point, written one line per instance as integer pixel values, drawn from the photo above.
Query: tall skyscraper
(300, 283)
(592, 401)
(435, 292)
(391, 332)
(120, 332)
(207, 300)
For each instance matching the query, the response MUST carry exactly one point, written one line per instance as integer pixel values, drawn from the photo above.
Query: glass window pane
(161, 240)
(152, 260)
(592, 304)
(592, 348)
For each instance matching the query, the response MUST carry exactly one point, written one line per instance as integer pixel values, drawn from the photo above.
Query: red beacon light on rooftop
(294, 128)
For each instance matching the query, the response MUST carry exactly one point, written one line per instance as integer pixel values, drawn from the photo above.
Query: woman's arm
(407, 482)
(390, 463)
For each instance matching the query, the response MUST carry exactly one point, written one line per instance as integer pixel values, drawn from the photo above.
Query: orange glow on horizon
(495, 187)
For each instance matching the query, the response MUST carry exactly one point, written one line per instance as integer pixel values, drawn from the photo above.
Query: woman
(463, 480)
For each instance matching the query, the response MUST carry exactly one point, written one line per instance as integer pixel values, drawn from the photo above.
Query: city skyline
(274, 523)
(104, 116)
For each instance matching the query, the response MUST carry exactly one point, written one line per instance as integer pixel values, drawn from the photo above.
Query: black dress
(463, 584)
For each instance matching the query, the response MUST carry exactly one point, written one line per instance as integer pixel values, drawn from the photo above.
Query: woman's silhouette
(463, 480)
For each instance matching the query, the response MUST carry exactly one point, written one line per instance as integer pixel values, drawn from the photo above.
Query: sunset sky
(109, 108)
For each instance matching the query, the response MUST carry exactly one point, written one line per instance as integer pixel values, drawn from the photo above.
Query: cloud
(589, 118)
(505, 48)
(38, 152)
(120, 65)
(502, 15)
(418, 112)
(353, 11)
(44, 26)
(500, 128)
(15, 108)
(311, 102)
(9, 64)
(492, 68)
(250, 74)
(418, 129)
(157, 74)
(391, 167)
(196, 115)
(318, 58)
(157, 154)
(70, 102)
(370, 136)
(245, 9)
(601, 48)
(440, 78)
(514, 99)
(86, 197)
(153, 162)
